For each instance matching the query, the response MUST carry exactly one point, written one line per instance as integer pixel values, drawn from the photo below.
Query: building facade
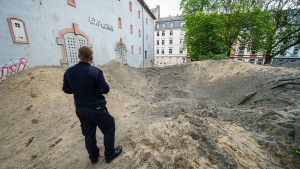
(242, 53)
(292, 55)
(38, 32)
(168, 41)
(156, 11)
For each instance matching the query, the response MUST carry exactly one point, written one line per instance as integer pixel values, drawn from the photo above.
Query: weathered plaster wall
(44, 19)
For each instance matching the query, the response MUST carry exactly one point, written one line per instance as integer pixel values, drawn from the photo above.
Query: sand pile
(188, 116)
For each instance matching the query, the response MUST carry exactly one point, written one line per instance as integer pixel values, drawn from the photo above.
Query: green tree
(213, 26)
(277, 28)
(271, 26)
(204, 36)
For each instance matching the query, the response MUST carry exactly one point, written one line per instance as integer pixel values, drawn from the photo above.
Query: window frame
(13, 33)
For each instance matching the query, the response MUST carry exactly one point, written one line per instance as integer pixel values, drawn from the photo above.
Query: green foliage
(199, 37)
(211, 56)
(213, 26)
(296, 151)
(276, 27)
(270, 26)
(219, 57)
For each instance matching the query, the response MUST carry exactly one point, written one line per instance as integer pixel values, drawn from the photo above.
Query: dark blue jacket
(87, 83)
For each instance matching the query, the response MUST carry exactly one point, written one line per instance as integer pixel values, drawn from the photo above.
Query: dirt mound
(211, 114)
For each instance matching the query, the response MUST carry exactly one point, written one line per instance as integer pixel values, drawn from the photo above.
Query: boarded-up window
(18, 30)
(120, 22)
(130, 6)
(131, 29)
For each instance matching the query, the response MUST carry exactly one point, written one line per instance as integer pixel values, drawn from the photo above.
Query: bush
(218, 57)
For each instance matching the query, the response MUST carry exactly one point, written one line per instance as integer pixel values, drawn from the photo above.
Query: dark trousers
(90, 118)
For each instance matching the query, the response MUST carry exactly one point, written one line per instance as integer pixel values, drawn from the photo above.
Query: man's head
(85, 54)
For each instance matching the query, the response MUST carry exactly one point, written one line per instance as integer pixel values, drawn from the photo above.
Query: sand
(185, 116)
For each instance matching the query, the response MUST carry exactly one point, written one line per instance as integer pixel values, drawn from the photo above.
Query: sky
(167, 7)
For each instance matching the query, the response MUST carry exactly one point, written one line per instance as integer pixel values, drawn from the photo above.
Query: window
(131, 29)
(170, 51)
(139, 33)
(157, 42)
(252, 61)
(182, 24)
(181, 41)
(253, 52)
(157, 51)
(140, 50)
(130, 6)
(131, 49)
(139, 14)
(171, 25)
(171, 33)
(157, 25)
(162, 33)
(181, 51)
(163, 42)
(146, 21)
(241, 51)
(72, 3)
(259, 61)
(157, 33)
(18, 30)
(120, 22)
(295, 52)
(182, 33)
(163, 51)
(164, 25)
(170, 41)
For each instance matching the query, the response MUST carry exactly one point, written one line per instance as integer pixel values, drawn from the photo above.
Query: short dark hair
(85, 53)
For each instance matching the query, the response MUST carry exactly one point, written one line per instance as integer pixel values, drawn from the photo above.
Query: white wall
(44, 19)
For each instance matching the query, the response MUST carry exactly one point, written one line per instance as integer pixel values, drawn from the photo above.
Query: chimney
(158, 11)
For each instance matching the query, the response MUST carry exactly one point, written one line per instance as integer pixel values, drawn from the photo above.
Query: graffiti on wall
(11, 69)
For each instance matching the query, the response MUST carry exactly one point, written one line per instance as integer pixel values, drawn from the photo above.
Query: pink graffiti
(13, 69)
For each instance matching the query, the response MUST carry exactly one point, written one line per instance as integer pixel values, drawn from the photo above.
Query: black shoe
(95, 161)
(115, 154)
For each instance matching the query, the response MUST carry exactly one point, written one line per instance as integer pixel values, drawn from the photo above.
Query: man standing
(88, 85)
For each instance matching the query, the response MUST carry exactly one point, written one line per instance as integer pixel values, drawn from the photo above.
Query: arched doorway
(73, 43)
(121, 52)
(71, 39)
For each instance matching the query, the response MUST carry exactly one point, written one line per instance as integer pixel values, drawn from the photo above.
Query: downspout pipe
(143, 28)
